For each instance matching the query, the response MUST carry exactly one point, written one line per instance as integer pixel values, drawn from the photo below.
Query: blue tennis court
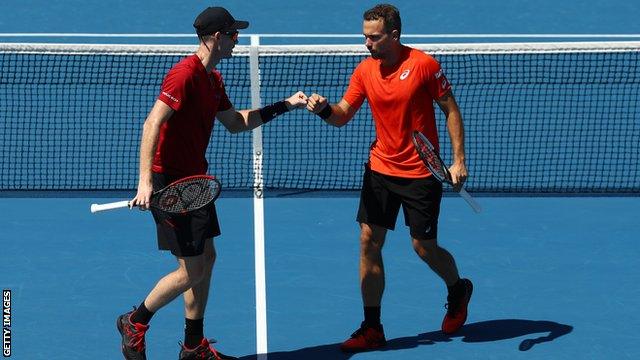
(553, 258)
(555, 278)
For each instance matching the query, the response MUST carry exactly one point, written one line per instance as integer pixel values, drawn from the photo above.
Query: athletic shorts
(183, 234)
(382, 195)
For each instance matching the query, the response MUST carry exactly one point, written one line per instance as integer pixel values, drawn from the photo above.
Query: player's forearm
(246, 120)
(456, 134)
(251, 119)
(338, 117)
(238, 121)
(148, 145)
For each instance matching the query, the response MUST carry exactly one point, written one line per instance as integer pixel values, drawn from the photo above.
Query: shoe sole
(376, 346)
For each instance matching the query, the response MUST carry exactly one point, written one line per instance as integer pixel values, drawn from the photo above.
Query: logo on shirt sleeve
(170, 97)
(404, 74)
(444, 83)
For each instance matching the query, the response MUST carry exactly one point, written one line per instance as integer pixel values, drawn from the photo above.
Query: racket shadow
(485, 331)
(493, 330)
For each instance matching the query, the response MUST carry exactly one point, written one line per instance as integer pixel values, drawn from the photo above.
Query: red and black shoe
(203, 351)
(366, 338)
(133, 345)
(457, 309)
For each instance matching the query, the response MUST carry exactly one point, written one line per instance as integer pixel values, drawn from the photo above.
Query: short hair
(388, 13)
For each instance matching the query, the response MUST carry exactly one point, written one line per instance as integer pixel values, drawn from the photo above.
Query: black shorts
(183, 234)
(382, 195)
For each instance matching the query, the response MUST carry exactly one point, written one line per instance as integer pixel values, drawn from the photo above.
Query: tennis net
(539, 117)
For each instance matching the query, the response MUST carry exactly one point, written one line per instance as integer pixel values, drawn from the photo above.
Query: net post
(258, 206)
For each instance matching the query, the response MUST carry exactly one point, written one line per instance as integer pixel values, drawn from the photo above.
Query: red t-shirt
(401, 101)
(195, 97)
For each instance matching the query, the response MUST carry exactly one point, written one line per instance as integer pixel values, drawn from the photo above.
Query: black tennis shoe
(366, 338)
(457, 309)
(133, 345)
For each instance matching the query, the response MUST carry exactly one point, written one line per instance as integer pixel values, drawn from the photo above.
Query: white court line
(258, 210)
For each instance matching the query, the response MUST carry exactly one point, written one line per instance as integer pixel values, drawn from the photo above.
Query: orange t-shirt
(401, 101)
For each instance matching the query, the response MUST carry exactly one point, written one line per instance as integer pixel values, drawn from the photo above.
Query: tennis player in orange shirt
(400, 84)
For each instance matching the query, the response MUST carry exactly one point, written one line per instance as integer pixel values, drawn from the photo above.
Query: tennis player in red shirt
(400, 84)
(174, 142)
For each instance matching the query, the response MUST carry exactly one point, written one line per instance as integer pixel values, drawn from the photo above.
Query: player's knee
(209, 256)
(191, 275)
(181, 277)
(369, 247)
(369, 240)
(425, 247)
(195, 276)
(365, 235)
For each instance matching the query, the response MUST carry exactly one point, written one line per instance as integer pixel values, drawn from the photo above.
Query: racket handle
(109, 206)
(471, 201)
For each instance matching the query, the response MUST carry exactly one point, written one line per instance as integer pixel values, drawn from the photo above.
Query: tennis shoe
(203, 351)
(133, 344)
(457, 309)
(366, 338)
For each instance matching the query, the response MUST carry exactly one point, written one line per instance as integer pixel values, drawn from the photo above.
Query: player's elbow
(234, 123)
(340, 119)
(338, 123)
(234, 129)
(342, 114)
(454, 117)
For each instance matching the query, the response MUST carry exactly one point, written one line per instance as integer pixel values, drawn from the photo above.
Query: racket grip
(471, 201)
(109, 206)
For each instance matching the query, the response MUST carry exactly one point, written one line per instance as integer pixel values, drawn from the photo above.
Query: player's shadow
(484, 331)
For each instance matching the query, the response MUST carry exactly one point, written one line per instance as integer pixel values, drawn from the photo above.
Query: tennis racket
(437, 167)
(179, 197)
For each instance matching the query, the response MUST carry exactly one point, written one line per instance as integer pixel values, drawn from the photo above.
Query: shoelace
(204, 354)
(136, 338)
(450, 309)
(358, 332)
(453, 305)
(215, 353)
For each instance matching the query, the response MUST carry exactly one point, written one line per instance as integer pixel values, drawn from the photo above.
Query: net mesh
(539, 118)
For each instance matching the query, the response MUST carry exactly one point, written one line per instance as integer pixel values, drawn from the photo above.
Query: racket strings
(169, 200)
(195, 195)
(436, 167)
(430, 158)
(188, 196)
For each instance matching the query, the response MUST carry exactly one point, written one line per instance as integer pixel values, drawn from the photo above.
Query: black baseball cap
(214, 19)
